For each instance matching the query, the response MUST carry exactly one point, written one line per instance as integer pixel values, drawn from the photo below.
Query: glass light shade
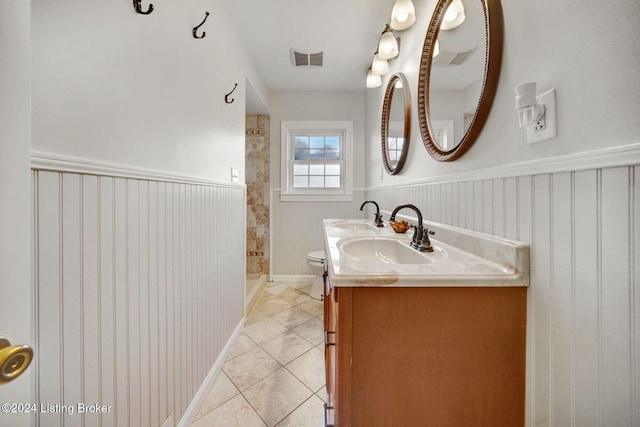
(403, 15)
(373, 80)
(379, 66)
(454, 16)
(388, 47)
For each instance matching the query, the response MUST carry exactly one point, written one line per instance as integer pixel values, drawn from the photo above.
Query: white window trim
(287, 192)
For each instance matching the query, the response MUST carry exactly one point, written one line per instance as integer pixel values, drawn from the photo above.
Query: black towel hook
(204, 33)
(138, 7)
(226, 97)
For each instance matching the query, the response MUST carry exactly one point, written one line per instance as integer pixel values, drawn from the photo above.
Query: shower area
(257, 180)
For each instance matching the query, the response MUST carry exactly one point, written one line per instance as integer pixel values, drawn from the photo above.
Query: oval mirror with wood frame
(458, 76)
(396, 123)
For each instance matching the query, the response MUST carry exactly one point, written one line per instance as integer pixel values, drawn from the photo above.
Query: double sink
(361, 254)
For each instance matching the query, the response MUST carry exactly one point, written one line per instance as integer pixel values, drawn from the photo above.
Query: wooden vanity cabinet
(425, 356)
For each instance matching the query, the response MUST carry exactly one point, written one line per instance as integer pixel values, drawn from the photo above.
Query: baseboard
(201, 394)
(288, 278)
(253, 295)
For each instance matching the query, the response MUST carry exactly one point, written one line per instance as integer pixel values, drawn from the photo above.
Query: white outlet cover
(235, 177)
(548, 99)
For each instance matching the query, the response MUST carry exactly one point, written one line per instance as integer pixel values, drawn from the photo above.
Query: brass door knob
(14, 360)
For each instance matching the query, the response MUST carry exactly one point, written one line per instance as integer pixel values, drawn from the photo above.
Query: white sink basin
(388, 250)
(354, 226)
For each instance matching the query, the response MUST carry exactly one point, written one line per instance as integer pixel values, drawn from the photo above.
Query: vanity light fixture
(536, 113)
(403, 15)
(454, 16)
(388, 47)
(373, 80)
(379, 66)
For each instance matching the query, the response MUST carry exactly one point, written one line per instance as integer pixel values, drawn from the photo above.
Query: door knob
(14, 360)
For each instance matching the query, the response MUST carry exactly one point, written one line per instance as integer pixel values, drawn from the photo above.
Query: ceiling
(347, 32)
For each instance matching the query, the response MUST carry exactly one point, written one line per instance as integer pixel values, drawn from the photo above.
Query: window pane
(332, 169)
(300, 181)
(317, 142)
(332, 142)
(393, 155)
(316, 154)
(300, 169)
(301, 142)
(392, 143)
(302, 154)
(316, 170)
(400, 143)
(316, 181)
(332, 154)
(332, 182)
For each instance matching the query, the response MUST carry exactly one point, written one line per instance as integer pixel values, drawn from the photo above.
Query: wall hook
(204, 33)
(138, 7)
(226, 97)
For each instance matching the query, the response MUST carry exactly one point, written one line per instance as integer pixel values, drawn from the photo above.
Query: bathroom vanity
(421, 339)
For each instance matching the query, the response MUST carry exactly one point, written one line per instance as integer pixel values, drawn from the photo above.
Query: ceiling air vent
(304, 59)
(452, 58)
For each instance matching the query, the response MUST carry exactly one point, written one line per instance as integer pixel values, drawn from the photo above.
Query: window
(316, 161)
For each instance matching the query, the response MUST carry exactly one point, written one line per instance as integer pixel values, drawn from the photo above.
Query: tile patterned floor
(274, 375)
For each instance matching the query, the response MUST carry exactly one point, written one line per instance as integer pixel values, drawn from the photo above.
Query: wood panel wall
(138, 286)
(583, 337)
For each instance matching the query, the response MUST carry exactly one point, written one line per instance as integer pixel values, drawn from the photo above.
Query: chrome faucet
(378, 219)
(420, 239)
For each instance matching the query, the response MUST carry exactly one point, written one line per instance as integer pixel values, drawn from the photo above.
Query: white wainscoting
(297, 230)
(583, 332)
(139, 284)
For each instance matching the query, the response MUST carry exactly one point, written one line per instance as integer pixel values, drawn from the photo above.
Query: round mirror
(396, 123)
(458, 76)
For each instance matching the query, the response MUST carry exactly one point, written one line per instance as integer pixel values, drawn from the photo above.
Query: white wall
(296, 226)
(579, 212)
(15, 254)
(113, 85)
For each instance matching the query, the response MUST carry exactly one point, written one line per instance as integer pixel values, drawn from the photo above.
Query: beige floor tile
(249, 368)
(255, 316)
(277, 396)
(292, 317)
(309, 414)
(276, 288)
(314, 307)
(241, 346)
(309, 368)
(312, 331)
(234, 413)
(264, 330)
(272, 305)
(295, 296)
(323, 395)
(221, 391)
(286, 347)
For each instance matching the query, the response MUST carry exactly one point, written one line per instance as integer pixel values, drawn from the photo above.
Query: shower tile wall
(257, 180)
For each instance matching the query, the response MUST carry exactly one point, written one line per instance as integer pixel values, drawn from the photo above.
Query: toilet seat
(318, 256)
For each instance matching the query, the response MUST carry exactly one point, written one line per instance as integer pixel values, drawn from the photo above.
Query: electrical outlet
(545, 127)
(235, 177)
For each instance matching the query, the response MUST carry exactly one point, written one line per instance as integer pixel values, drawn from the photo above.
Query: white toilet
(316, 262)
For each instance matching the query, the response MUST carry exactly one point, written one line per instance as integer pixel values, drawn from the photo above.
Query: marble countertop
(461, 258)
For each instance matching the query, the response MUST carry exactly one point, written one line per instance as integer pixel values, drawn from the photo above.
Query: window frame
(287, 191)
